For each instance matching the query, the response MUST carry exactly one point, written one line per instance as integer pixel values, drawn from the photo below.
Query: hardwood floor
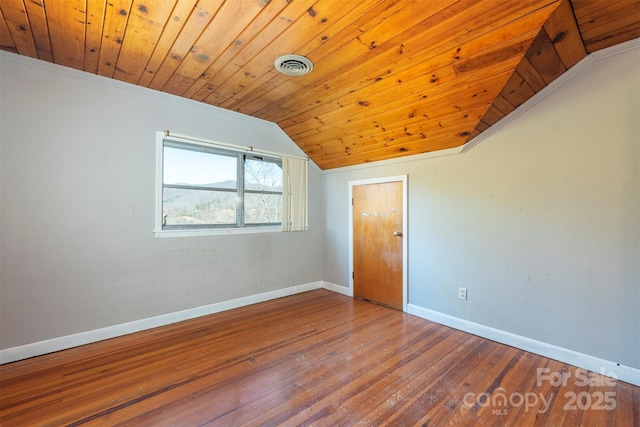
(317, 358)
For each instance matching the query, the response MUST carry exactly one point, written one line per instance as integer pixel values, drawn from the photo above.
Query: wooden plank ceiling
(391, 78)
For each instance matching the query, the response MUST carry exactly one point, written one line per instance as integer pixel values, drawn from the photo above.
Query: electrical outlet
(462, 293)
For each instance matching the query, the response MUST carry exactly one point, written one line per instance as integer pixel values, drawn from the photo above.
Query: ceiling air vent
(293, 65)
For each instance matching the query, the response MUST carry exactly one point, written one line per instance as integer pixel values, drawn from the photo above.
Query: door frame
(405, 235)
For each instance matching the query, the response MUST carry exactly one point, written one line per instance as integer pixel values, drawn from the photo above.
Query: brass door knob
(397, 233)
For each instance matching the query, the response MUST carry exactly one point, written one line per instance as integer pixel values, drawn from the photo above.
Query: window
(210, 188)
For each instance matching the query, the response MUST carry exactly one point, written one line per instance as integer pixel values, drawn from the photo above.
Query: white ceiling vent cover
(293, 65)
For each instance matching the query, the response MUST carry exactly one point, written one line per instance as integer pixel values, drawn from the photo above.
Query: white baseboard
(344, 290)
(580, 360)
(62, 343)
(624, 373)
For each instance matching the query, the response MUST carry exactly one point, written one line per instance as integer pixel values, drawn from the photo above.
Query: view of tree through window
(200, 188)
(262, 191)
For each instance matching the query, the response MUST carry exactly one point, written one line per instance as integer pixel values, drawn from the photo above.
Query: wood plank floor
(317, 358)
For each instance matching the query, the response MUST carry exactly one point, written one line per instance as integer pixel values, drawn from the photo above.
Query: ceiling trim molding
(94, 78)
(586, 62)
(568, 75)
(396, 160)
(141, 90)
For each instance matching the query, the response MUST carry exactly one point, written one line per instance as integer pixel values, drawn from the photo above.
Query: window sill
(216, 231)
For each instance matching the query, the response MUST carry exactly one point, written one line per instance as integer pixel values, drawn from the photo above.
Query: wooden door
(377, 243)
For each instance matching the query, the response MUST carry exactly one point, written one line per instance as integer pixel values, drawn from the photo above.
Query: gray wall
(540, 221)
(77, 196)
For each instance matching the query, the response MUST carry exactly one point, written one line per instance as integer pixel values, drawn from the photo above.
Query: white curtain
(294, 194)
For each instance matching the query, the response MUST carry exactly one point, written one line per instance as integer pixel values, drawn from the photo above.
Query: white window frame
(159, 231)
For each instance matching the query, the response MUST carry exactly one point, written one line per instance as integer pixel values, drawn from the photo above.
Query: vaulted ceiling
(391, 78)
